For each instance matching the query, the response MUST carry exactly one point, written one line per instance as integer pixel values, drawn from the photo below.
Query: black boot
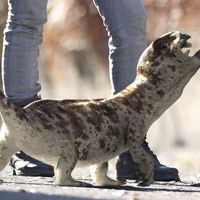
(24, 165)
(128, 169)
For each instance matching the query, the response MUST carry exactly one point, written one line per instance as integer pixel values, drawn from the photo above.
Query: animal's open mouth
(184, 44)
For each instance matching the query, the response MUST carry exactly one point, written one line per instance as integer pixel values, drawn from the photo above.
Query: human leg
(22, 38)
(125, 22)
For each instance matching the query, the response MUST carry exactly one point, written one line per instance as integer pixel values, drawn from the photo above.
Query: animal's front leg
(99, 175)
(145, 162)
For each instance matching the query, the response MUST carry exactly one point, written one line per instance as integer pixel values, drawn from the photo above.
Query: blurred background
(73, 64)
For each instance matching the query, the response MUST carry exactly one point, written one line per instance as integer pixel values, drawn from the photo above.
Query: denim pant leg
(22, 38)
(125, 22)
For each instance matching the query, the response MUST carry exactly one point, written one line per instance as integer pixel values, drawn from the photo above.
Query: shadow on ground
(156, 187)
(23, 195)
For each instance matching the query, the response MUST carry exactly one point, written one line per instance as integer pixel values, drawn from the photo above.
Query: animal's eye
(162, 45)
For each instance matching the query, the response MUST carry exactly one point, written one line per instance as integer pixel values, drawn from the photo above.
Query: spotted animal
(66, 134)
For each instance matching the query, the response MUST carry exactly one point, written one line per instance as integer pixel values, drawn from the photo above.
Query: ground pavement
(39, 188)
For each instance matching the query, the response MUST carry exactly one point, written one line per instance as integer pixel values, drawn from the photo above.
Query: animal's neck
(144, 99)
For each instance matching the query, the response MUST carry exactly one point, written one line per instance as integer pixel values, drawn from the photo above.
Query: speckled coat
(71, 133)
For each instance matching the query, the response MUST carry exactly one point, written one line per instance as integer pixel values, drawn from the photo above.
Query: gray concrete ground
(35, 188)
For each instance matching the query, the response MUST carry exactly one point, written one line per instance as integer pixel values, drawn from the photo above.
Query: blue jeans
(125, 22)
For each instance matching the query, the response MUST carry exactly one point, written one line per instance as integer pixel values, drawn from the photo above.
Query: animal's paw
(122, 181)
(73, 183)
(145, 183)
(106, 181)
(83, 184)
(147, 179)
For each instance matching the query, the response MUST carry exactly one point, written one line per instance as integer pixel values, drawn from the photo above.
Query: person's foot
(24, 165)
(128, 169)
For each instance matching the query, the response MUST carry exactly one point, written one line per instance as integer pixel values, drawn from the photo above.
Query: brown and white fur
(68, 133)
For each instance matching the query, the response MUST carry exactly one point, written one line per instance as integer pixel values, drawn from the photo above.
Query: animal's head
(166, 62)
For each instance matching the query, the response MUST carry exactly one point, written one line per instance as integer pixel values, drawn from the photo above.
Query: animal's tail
(4, 103)
(9, 111)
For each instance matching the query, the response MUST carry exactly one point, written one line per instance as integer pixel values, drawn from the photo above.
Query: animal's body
(69, 133)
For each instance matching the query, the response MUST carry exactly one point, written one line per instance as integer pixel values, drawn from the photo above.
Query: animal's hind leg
(99, 175)
(63, 172)
(5, 154)
(6, 149)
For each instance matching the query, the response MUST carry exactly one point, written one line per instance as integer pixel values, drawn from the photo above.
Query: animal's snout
(181, 39)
